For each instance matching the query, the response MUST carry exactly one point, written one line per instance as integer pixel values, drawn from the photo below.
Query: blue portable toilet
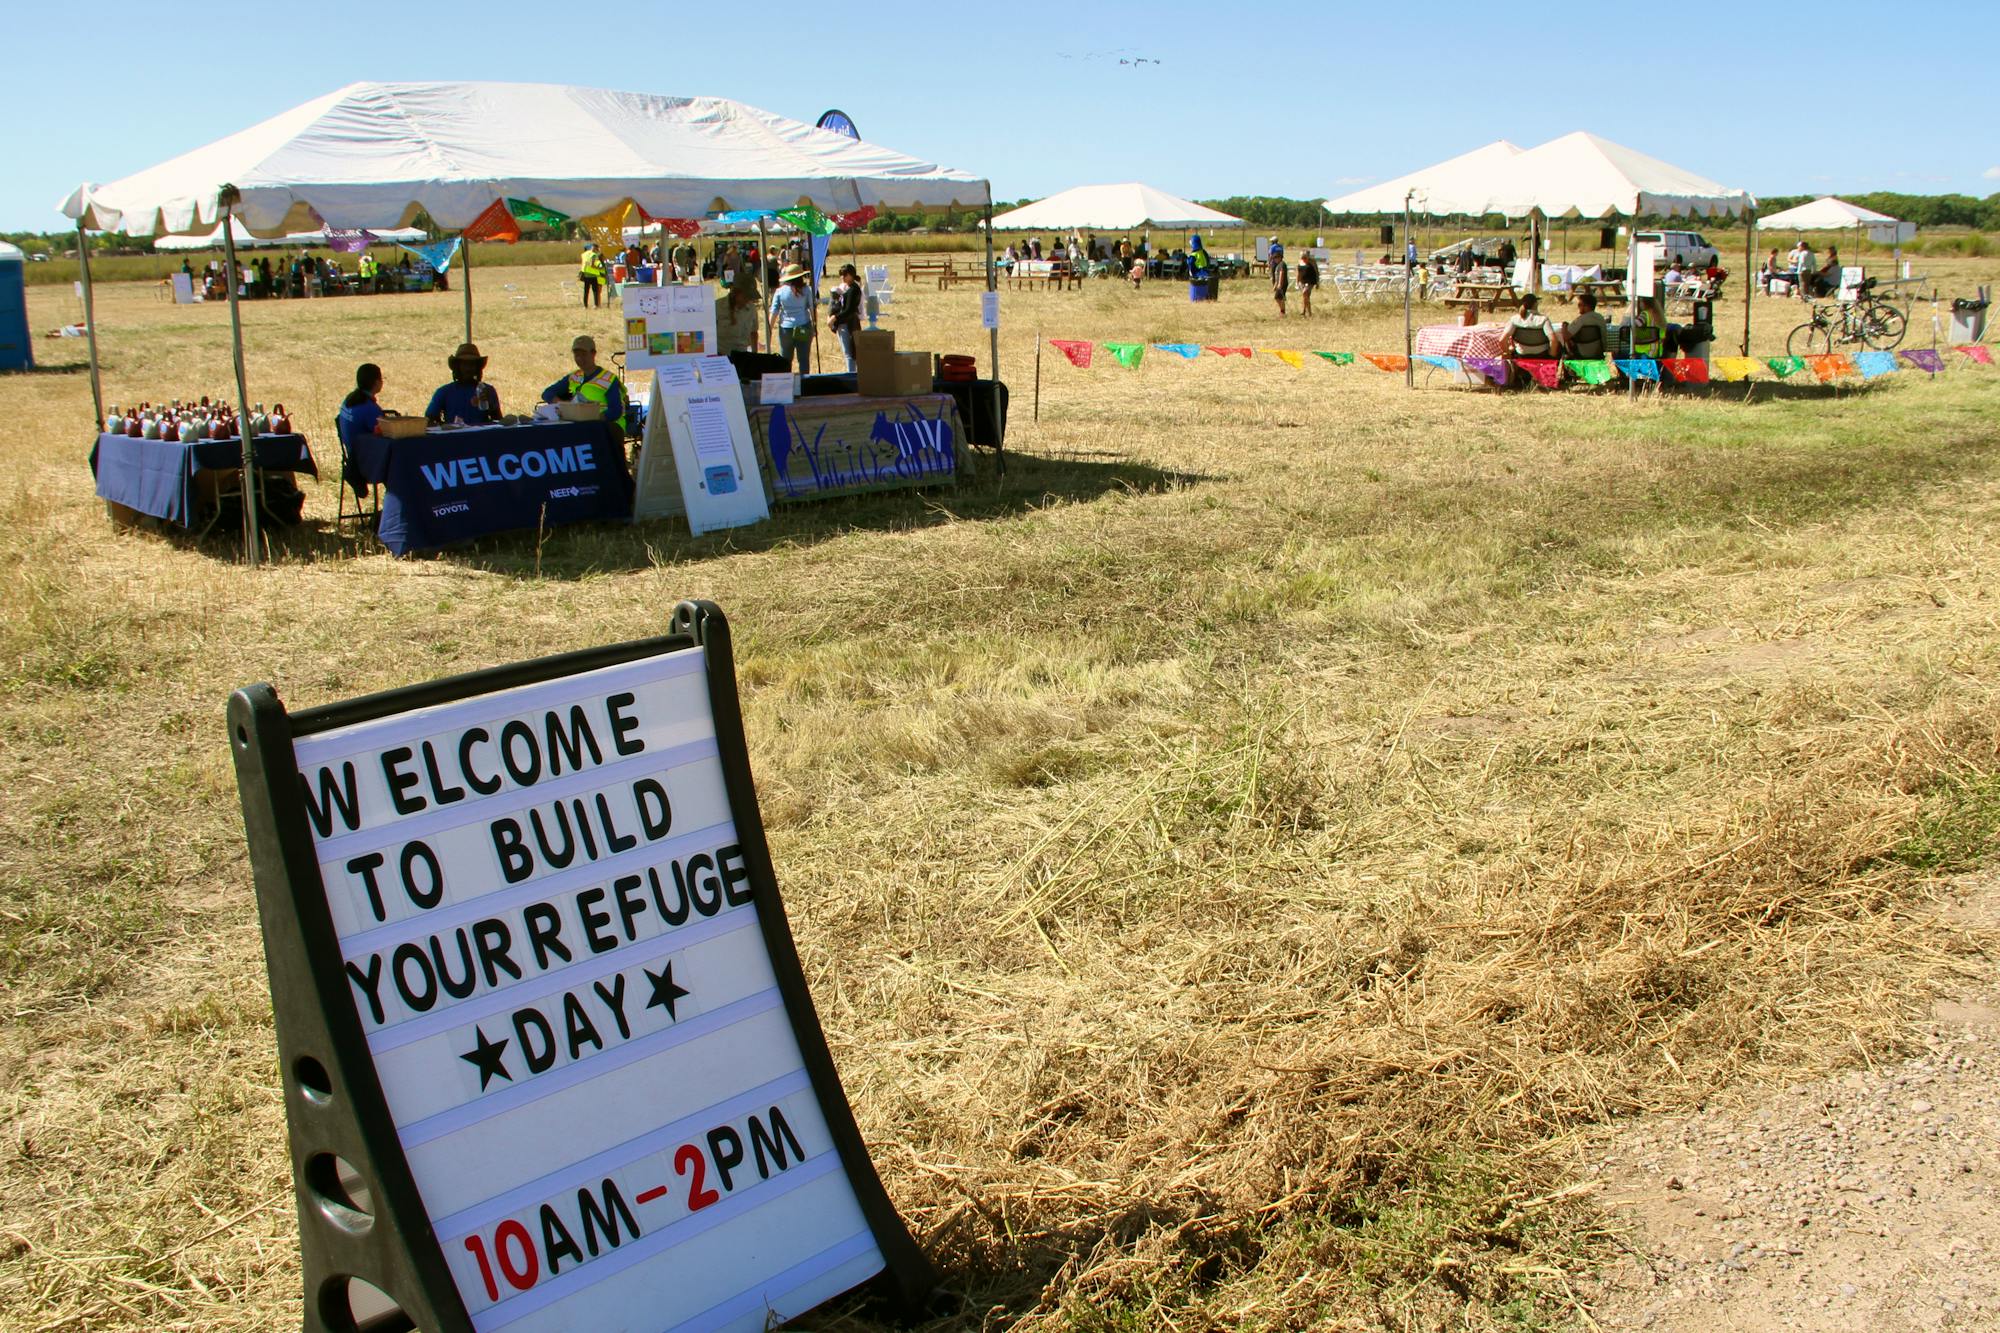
(16, 351)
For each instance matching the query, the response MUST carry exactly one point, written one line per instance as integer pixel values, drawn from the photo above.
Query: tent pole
(1409, 346)
(991, 284)
(763, 268)
(465, 277)
(1749, 258)
(251, 537)
(1038, 374)
(90, 322)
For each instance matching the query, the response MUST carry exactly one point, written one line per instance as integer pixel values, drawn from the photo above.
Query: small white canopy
(212, 240)
(1124, 207)
(372, 154)
(1462, 184)
(1831, 214)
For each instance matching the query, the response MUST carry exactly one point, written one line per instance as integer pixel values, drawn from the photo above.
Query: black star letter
(487, 1056)
(665, 992)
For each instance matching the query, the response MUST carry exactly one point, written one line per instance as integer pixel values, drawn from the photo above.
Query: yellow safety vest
(592, 264)
(597, 389)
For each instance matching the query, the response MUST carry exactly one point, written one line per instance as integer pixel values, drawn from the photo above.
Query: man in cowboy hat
(590, 383)
(468, 399)
(792, 306)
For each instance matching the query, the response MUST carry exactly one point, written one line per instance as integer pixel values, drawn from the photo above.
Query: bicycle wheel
(1809, 340)
(1883, 326)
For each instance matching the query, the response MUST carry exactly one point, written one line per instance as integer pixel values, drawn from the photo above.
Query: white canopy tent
(373, 155)
(1462, 184)
(241, 235)
(1578, 175)
(1831, 214)
(1124, 207)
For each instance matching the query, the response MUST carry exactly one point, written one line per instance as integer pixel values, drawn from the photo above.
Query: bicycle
(1868, 320)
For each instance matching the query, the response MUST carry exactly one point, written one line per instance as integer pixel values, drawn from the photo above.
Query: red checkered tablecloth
(1461, 341)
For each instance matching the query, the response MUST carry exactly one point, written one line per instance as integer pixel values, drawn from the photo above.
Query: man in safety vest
(590, 383)
(590, 268)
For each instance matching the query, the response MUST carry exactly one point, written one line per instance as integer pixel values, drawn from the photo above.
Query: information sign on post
(549, 1059)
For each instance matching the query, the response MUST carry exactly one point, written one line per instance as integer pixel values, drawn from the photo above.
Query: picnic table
(1608, 291)
(1485, 293)
(1461, 340)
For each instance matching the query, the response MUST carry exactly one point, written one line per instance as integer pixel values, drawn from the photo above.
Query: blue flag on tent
(1640, 368)
(1871, 364)
(438, 254)
(737, 216)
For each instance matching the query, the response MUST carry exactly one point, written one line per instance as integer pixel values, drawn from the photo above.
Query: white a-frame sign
(548, 1056)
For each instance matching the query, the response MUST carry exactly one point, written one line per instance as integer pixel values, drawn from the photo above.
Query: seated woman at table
(1529, 333)
(468, 398)
(360, 414)
(591, 383)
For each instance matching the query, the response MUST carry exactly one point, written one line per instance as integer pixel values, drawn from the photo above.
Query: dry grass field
(1234, 854)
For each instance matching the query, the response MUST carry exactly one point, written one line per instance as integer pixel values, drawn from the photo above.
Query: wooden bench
(959, 273)
(925, 266)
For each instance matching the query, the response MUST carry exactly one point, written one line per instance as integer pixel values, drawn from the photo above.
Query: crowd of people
(1801, 272)
(304, 275)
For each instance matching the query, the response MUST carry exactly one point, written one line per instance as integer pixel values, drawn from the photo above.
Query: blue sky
(1240, 101)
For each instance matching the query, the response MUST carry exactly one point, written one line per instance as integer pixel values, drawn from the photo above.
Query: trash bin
(1968, 319)
(1204, 289)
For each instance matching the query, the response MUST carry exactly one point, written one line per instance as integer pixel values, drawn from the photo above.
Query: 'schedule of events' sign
(549, 1057)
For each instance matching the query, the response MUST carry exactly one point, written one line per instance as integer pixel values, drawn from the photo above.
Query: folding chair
(368, 502)
(514, 293)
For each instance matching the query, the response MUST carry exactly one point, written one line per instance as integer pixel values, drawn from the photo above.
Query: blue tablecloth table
(450, 486)
(160, 477)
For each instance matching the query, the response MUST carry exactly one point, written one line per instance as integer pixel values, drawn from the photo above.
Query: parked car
(38, 259)
(1687, 248)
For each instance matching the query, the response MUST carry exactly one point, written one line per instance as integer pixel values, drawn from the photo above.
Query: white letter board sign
(535, 988)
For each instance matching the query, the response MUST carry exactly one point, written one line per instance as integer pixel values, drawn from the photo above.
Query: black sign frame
(376, 1229)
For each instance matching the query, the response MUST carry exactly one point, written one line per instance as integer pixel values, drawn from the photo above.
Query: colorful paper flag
(1295, 360)
(685, 228)
(1784, 367)
(532, 213)
(1186, 351)
(349, 242)
(1495, 369)
(438, 254)
(1386, 361)
(494, 224)
(1546, 370)
(1441, 362)
(1983, 355)
(1639, 368)
(1734, 367)
(1243, 352)
(1129, 354)
(808, 219)
(1077, 351)
(1925, 359)
(1871, 364)
(855, 220)
(1687, 369)
(1590, 372)
(1831, 365)
(1338, 358)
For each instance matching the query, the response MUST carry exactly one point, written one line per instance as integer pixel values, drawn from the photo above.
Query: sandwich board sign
(548, 1055)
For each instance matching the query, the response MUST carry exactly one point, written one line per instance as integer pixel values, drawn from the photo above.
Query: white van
(1687, 248)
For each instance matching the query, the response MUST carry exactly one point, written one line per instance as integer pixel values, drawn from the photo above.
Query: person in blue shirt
(468, 398)
(359, 415)
(792, 304)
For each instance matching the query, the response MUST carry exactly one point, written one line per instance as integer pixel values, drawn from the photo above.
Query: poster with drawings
(666, 323)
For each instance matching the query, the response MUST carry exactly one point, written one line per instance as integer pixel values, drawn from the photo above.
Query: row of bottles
(191, 422)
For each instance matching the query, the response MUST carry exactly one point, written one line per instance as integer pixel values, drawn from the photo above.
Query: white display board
(554, 951)
(666, 323)
(183, 289)
(698, 457)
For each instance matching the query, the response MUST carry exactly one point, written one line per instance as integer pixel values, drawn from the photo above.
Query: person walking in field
(1280, 275)
(590, 269)
(1308, 280)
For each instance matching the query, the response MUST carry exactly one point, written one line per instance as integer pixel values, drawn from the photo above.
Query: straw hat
(793, 273)
(467, 352)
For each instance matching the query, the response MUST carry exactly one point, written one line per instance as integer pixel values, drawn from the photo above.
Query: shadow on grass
(1032, 482)
(60, 368)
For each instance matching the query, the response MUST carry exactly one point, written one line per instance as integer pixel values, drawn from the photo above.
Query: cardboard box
(873, 346)
(899, 376)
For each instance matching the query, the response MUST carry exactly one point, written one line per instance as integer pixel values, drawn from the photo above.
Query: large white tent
(1462, 184)
(241, 235)
(373, 154)
(1831, 214)
(1128, 206)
